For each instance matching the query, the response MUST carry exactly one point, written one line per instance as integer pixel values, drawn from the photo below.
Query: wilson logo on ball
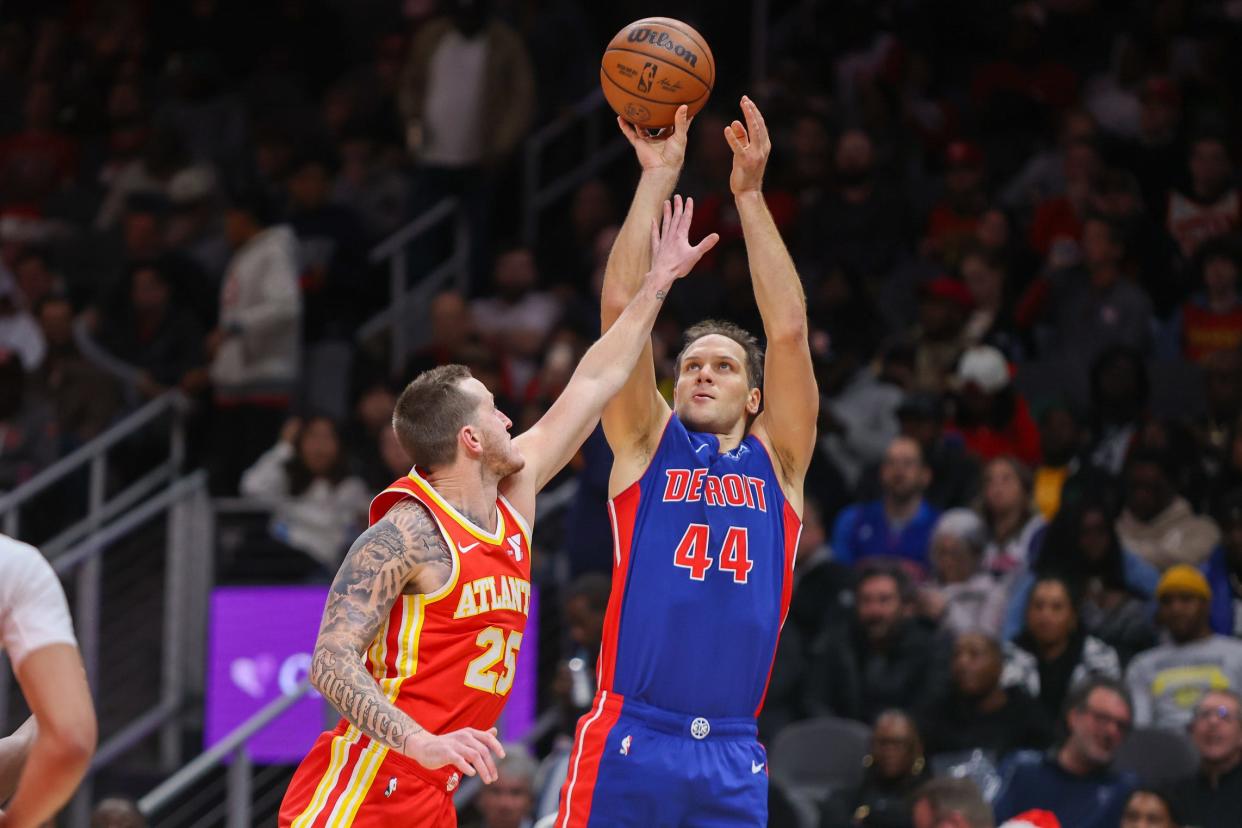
(662, 40)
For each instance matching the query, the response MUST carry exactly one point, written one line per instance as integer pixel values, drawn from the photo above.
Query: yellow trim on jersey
(520, 521)
(464, 522)
(378, 652)
(340, 753)
(360, 782)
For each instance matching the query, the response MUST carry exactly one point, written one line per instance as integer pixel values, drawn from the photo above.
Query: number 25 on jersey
(480, 674)
(734, 556)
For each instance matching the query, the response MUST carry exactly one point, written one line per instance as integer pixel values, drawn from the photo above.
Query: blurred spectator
(369, 185)
(860, 224)
(27, 423)
(157, 336)
(36, 280)
(332, 254)
(1082, 546)
(364, 437)
(823, 594)
(1158, 524)
(568, 253)
(1120, 391)
(1212, 320)
(899, 524)
(953, 219)
(509, 801)
(85, 399)
(991, 322)
(881, 659)
(152, 172)
(1062, 440)
(588, 532)
(1213, 204)
(992, 417)
(115, 812)
(255, 352)
(954, 473)
(1043, 176)
(950, 803)
(979, 713)
(895, 768)
(1147, 809)
(1092, 306)
(451, 328)
(858, 412)
(196, 225)
(961, 596)
(1167, 681)
(319, 505)
(939, 339)
(1013, 524)
(1053, 652)
(467, 97)
(1223, 394)
(1224, 569)
(517, 317)
(19, 332)
(1157, 155)
(1212, 798)
(1058, 219)
(1076, 781)
(39, 159)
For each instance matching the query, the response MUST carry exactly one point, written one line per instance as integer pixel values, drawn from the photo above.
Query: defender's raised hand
(665, 151)
(672, 255)
(751, 147)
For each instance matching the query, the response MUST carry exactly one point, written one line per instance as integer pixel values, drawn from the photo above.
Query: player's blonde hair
(430, 412)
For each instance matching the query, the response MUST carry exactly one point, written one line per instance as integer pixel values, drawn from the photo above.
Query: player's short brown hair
(430, 412)
(743, 337)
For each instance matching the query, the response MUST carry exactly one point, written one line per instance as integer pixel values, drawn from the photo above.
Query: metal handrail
(416, 227)
(536, 196)
(172, 400)
(394, 250)
(236, 740)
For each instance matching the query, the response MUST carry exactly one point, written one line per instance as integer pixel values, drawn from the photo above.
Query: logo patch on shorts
(392, 787)
(451, 785)
(625, 745)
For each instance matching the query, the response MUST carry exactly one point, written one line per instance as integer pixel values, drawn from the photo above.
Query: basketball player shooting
(423, 624)
(705, 502)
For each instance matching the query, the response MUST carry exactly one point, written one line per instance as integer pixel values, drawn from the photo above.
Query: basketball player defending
(424, 620)
(705, 503)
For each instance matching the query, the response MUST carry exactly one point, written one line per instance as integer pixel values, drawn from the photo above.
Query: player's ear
(753, 398)
(471, 439)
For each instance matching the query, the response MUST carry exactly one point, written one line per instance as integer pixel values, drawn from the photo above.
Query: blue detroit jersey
(703, 554)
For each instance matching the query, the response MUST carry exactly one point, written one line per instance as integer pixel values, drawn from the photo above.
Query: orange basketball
(653, 66)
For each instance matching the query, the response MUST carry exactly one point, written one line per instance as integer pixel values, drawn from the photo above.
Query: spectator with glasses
(1212, 798)
(1167, 681)
(1076, 781)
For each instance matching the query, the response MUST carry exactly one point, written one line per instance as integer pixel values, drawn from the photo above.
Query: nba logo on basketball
(647, 77)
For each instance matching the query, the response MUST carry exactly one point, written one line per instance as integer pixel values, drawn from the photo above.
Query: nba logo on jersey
(625, 745)
(392, 787)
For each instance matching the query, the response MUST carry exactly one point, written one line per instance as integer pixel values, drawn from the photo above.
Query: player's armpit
(405, 548)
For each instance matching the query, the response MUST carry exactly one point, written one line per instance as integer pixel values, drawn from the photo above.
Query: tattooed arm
(403, 551)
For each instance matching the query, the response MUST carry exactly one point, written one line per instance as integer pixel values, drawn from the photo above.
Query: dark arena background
(1019, 230)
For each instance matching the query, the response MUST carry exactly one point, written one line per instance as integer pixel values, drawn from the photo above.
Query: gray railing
(93, 458)
(186, 581)
(239, 780)
(597, 152)
(395, 319)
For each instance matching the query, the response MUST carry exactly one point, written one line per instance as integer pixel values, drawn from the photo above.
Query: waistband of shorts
(446, 779)
(690, 725)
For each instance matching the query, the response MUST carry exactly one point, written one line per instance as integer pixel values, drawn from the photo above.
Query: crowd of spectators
(1019, 226)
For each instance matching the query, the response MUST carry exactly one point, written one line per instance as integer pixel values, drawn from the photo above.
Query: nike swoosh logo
(756, 767)
(464, 549)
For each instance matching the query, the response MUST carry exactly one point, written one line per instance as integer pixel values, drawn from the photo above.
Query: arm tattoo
(406, 547)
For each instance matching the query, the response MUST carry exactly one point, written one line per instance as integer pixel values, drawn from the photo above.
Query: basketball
(653, 66)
